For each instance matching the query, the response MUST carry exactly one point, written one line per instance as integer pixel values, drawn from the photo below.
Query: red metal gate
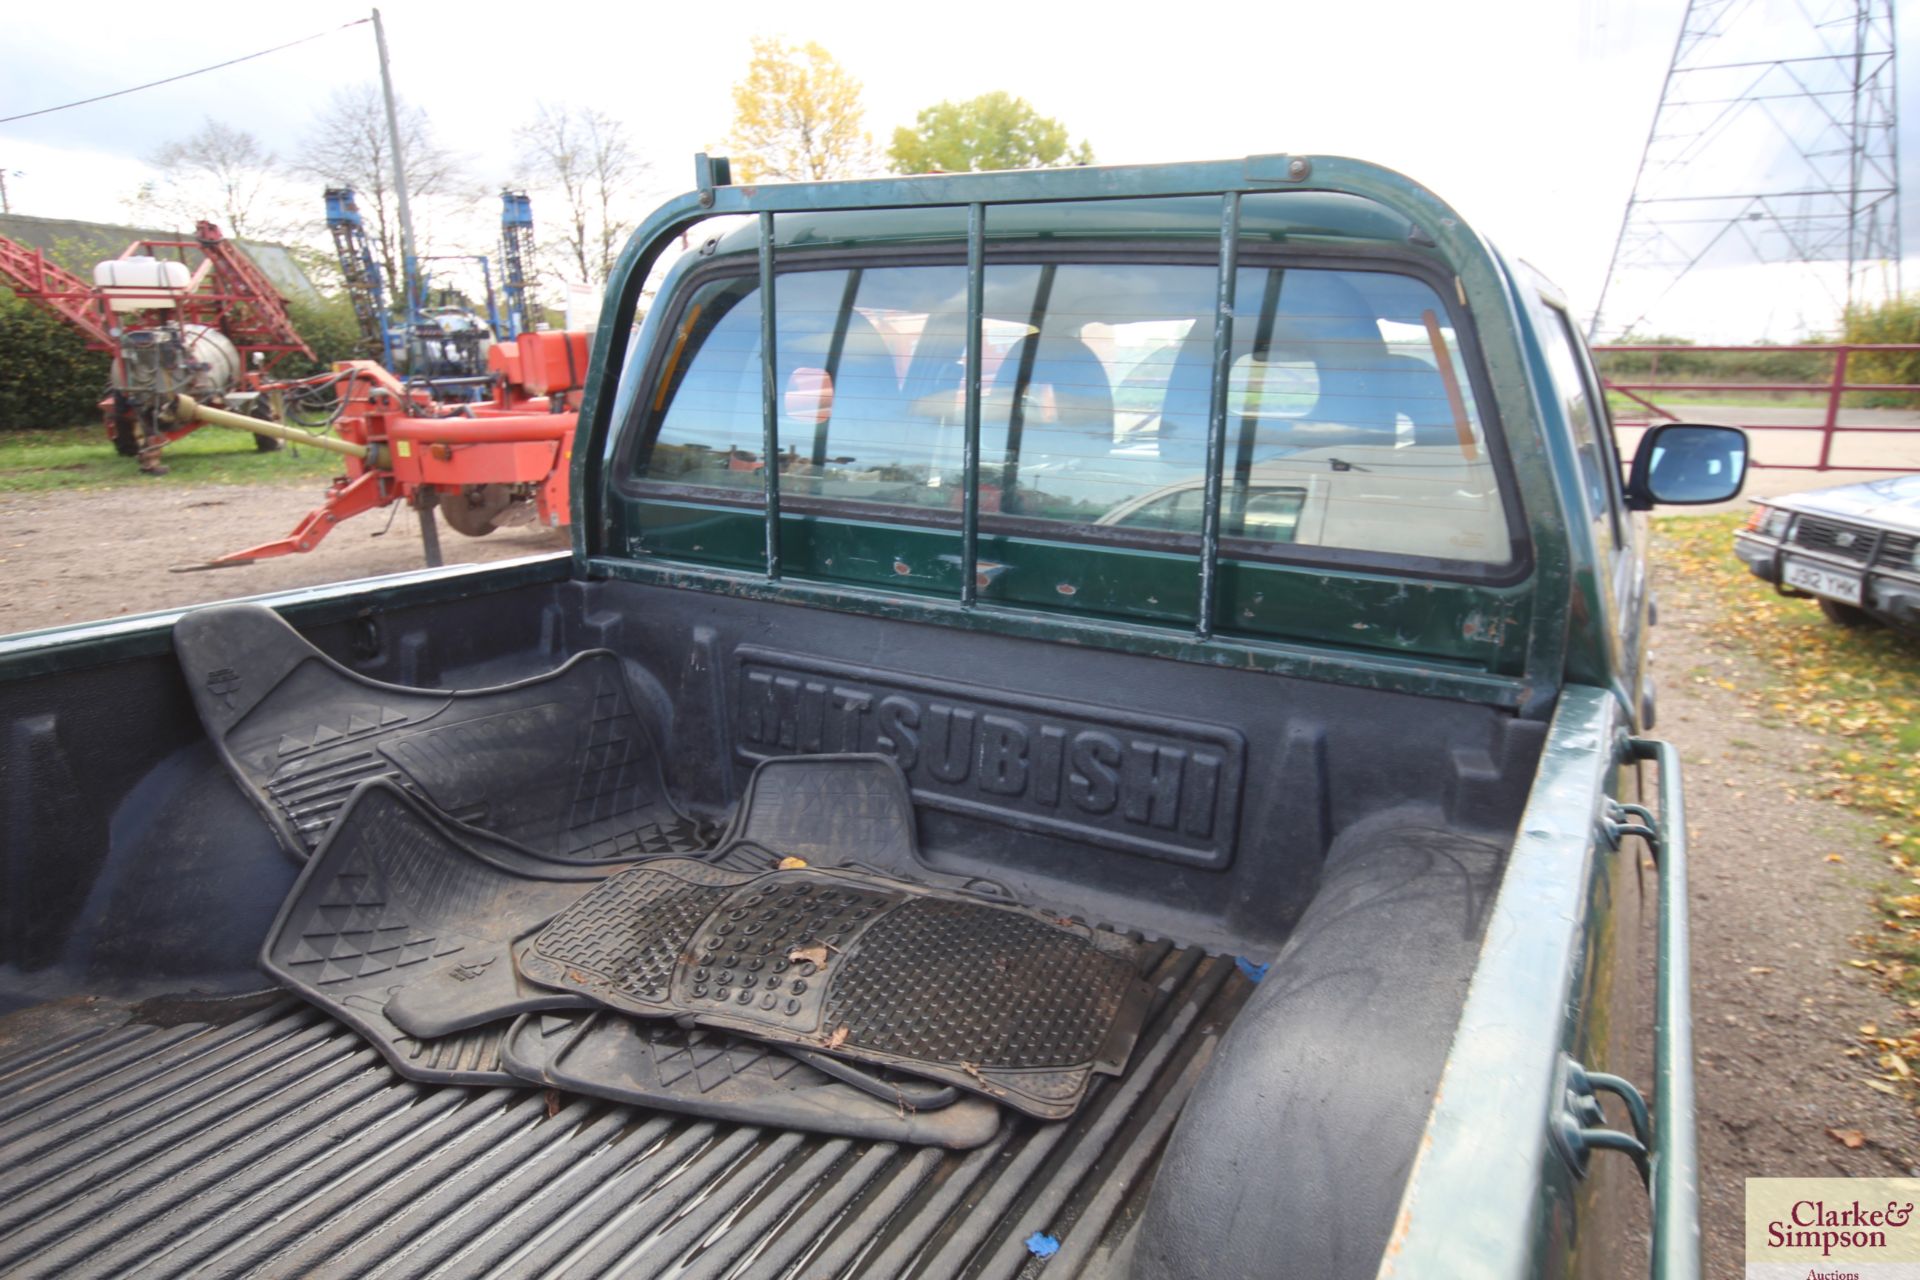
(1833, 389)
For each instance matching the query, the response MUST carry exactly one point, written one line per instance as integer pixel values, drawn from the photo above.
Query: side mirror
(1687, 464)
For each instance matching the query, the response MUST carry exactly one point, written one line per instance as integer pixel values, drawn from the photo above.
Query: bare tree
(222, 173)
(584, 157)
(349, 147)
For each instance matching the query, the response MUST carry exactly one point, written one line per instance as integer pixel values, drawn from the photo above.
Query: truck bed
(256, 1136)
(161, 1113)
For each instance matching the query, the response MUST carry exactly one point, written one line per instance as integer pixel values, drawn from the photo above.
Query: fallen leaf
(1869, 1029)
(1834, 857)
(838, 1038)
(985, 1087)
(1851, 1139)
(553, 1104)
(791, 863)
(815, 955)
(1761, 968)
(1882, 1087)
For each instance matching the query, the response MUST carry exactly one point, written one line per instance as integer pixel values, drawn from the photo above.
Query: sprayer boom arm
(28, 273)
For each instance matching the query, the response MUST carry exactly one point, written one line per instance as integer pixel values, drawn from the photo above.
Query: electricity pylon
(1775, 142)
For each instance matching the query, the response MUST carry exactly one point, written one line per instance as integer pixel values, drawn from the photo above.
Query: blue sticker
(1041, 1245)
(1254, 972)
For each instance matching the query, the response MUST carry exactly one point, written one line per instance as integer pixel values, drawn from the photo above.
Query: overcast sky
(1528, 116)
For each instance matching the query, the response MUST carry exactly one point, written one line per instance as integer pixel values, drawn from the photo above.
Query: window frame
(636, 434)
(1558, 322)
(1607, 442)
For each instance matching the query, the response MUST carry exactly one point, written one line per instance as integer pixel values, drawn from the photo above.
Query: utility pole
(424, 502)
(409, 257)
(6, 204)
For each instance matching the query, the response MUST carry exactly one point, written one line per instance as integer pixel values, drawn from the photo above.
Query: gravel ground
(1776, 1005)
(79, 555)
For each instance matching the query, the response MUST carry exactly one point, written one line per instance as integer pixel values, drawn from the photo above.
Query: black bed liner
(262, 1138)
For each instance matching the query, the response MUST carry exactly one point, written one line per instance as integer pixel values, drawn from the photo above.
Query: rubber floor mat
(851, 811)
(484, 986)
(396, 892)
(656, 1063)
(559, 764)
(835, 811)
(1018, 1005)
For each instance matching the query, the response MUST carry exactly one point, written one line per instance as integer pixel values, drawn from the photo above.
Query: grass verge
(1860, 690)
(1622, 406)
(83, 458)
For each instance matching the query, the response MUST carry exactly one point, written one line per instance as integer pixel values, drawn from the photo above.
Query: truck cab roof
(1309, 216)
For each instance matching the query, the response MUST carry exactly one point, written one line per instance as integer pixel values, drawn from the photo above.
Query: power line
(26, 115)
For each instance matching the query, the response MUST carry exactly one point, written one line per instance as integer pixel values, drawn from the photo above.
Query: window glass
(1571, 384)
(1350, 417)
(1349, 389)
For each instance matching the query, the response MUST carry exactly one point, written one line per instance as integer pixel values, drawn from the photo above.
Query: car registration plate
(1822, 581)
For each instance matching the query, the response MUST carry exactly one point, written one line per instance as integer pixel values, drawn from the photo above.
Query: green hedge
(48, 378)
(329, 328)
(1712, 366)
(1894, 321)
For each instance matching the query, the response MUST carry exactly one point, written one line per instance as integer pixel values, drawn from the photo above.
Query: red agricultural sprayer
(483, 464)
(195, 330)
(179, 317)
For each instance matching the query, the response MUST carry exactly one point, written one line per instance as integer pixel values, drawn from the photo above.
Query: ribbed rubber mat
(850, 811)
(395, 893)
(559, 764)
(1018, 1005)
(655, 1063)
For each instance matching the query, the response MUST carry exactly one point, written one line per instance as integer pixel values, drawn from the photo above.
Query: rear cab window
(1356, 431)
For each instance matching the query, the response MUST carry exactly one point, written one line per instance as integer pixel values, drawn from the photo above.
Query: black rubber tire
(265, 444)
(1848, 616)
(124, 430)
(468, 511)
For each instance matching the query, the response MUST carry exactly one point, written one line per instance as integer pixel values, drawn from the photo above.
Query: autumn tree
(221, 173)
(349, 148)
(797, 117)
(993, 131)
(586, 158)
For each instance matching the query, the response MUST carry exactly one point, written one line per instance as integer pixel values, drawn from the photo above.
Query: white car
(1854, 548)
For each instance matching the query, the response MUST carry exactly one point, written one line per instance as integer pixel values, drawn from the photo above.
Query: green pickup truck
(1221, 571)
